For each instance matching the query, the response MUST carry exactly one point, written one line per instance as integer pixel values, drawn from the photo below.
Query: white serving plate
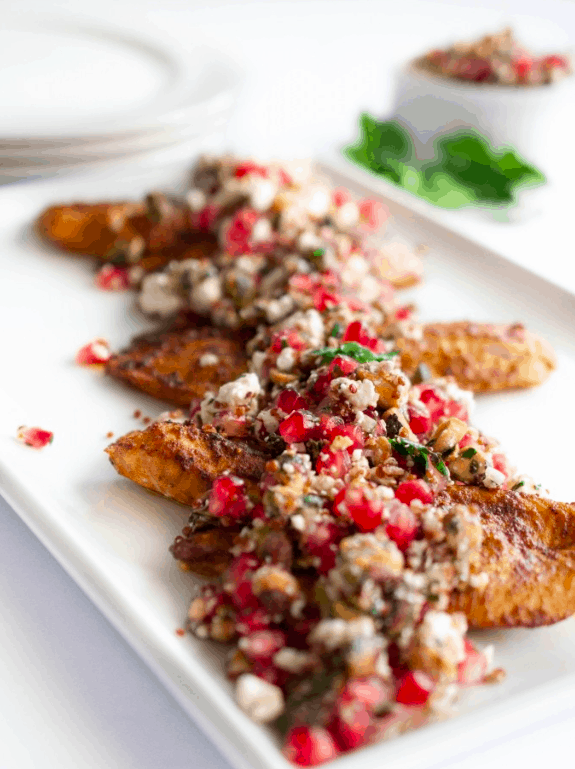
(112, 537)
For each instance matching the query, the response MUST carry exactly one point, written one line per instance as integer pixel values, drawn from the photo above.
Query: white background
(72, 694)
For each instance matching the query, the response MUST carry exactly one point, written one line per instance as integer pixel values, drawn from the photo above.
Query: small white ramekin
(525, 118)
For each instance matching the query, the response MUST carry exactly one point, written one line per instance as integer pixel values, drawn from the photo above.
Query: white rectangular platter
(113, 537)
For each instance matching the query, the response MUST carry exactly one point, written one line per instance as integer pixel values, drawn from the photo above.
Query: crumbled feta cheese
(317, 202)
(292, 660)
(262, 193)
(196, 199)
(262, 231)
(159, 295)
(208, 359)
(493, 478)
(279, 308)
(298, 522)
(286, 359)
(359, 394)
(269, 422)
(347, 216)
(205, 294)
(309, 241)
(262, 701)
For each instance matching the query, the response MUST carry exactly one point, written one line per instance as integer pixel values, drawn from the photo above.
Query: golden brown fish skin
(168, 365)
(481, 356)
(180, 461)
(528, 554)
(150, 233)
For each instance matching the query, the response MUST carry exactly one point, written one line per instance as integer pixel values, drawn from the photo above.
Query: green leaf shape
(466, 168)
(354, 350)
(421, 455)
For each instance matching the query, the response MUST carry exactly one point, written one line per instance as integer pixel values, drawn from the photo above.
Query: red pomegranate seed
(289, 400)
(551, 62)
(263, 644)
(372, 214)
(523, 66)
(333, 463)
(238, 233)
(342, 367)
(35, 437)
(350, 723)
(435, 404)
(251, 620)
(419, 423)
(402, 526)
(353, 432)
(243, 169)
(286, 338)
(500, 463)
(351, 502)
(340, 196)
(323, 299)
(356, 332)
(455, 409)
(93, 353)
(327, 424)
(298, 427)
(112, 278)
(227, 497)
(403, 313)
(309, 746)
(465, 441)
(410, 490)
(415, 688)
(473, 669)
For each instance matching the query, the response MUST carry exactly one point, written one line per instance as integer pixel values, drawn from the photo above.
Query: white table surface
(73, 695)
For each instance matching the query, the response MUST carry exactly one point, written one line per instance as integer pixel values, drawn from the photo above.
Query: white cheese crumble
(360, 395)
(493, 478)
(262, 701)
(286, 359)
(209, 359)
(159, 295)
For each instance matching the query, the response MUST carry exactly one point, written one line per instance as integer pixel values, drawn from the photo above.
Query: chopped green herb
(356, 351)
(336, 330)
(319, 252)
(284, 344)
(421, 455)
(468, 453)
(518, 486)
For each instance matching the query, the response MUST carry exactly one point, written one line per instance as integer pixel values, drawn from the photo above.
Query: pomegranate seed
(298, 427)
(286, 338)
(455, 409)
(340, 196)
(353, 432)
(35, 437)
(435, 404)
(415, 688)
(289, 400)
(243, 169)
(402, 526)
(237, 582)
(93, 353)
(350, 724)
(473, 669)
(323, 299)
(309, 746)
(262, 644)
(112, 278)
(477, 70)
(419, 423)
(372, 691)
(342, 367)
(318, 542)
(372, 214)
(318, 389)
(523, 66)
(327, 424)
(356, 332)
(550, 62)
(403, 313)
(500, 463)
(237, 236)
(465, 441)
(409, 490)
(351, 502)
(333, 463)
(227, 497)
(252, 620)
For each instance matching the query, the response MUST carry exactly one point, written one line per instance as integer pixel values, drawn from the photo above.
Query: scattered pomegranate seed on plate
(35, 437)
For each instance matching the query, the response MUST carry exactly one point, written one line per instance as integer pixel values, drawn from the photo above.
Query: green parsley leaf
(468, 453)
(518, 486)
(336, 330)
(319, 252)
(356, 351)
(421, 455)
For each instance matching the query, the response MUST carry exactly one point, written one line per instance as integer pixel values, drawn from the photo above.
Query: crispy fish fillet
(180, 461)
(481, 356)
(178, 366)
(528, 554)
(149, 233)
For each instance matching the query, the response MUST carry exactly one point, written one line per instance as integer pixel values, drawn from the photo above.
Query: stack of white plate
(74, 94)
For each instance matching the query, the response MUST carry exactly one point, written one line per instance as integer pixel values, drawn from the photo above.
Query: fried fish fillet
(180, 461)
(481, 356)
(178, 366)
(168, 365)
(528, 554)
(150, 233)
